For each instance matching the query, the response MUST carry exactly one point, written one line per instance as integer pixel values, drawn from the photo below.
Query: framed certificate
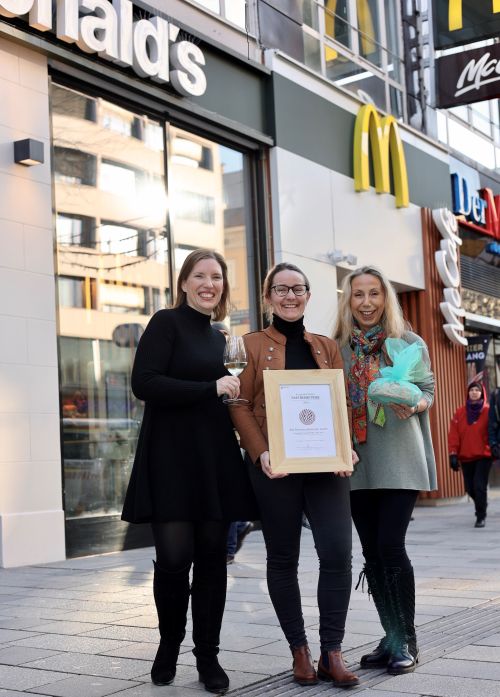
(307, 422)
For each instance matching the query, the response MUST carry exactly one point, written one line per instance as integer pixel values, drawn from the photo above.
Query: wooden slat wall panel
(421, 309)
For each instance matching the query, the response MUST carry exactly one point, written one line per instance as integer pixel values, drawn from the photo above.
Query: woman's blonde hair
(268, 282)
(392, 319)
(221, 310)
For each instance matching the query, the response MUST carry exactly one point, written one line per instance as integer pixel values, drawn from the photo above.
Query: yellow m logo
(383, 136)
(455, 13)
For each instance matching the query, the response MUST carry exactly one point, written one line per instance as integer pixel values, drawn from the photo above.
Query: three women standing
(282, 499)
(188, 478)
(396, 460)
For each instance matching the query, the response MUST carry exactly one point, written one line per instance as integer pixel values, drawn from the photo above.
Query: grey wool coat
(398, 455)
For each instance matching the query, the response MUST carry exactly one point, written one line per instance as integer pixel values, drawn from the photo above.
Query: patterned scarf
(365, 361)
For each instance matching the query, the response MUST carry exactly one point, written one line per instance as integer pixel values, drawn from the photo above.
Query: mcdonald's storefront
(257, 161)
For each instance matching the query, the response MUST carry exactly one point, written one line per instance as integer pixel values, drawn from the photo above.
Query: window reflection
(113, 265)
(209, 208)
(112, 248)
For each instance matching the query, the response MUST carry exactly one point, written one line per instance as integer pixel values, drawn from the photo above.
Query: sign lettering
(468, 76)
(447, 266)
(149, 46)
(480, 210)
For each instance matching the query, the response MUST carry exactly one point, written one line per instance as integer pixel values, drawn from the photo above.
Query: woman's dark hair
(268, 281)
(190, 262)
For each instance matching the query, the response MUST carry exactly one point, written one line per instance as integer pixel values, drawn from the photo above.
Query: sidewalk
(87, 627)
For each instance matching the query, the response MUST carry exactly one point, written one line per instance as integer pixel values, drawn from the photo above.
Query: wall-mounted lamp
(337, 256)
(28, 152)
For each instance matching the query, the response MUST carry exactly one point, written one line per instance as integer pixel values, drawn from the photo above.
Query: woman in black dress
(188, 479)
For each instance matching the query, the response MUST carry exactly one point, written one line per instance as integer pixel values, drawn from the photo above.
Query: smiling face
(475, 393)
(289, 307)
(367, 301)
(204, 286)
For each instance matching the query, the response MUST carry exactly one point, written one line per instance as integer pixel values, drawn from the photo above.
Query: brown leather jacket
(266, 351)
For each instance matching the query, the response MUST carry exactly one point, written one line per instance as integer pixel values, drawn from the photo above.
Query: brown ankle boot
(331, 667)
(303, 666)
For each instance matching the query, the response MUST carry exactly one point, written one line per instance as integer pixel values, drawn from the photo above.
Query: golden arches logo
(455, 20)
(383, 136)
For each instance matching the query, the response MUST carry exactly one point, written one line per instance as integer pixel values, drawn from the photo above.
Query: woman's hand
(403, 411)
(265, 463)
(228, 385)
(355, 457)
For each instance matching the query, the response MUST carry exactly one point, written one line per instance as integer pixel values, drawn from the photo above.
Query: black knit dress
(188, 465)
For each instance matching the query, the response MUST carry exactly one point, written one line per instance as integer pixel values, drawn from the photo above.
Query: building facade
(219, 124)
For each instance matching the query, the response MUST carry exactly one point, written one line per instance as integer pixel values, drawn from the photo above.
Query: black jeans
(324, 498)
(381, 517)
(476, 474)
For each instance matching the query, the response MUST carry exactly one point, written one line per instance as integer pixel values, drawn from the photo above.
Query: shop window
(74, 166)
(114, 266)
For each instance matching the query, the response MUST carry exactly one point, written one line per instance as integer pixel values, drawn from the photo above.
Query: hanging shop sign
(381, 135)
(463, 21)
(149, 46)
(475, 356)
(447, 267)
(469, 76)
(479, 209)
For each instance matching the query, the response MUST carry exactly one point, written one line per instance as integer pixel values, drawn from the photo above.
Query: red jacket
(469, 441)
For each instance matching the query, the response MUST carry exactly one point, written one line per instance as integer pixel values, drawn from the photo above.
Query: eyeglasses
(296, 290)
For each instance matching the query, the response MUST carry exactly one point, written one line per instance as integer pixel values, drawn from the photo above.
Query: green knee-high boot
(171, 594)
(374, 574)
(401, 593)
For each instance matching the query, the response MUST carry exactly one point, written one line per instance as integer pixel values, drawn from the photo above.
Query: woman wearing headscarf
(468, 447)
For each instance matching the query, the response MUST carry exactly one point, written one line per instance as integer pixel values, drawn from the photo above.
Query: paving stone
(8, 635)
(19, 678)
(124, 633)
(464, 669)
(17, 623)
(85, 686)
(17, 655)
(493, 640)
(439, 686)
(259, 663)
(65, 627)
(76, 644)
(105, 666)
(477, 653)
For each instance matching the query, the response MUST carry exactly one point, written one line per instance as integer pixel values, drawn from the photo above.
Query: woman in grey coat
(396, 460)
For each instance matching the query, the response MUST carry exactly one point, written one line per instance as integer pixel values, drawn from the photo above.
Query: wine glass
(235, 360)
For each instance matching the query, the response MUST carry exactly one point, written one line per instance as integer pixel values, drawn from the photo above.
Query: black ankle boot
(171, 594)
(374, 574)
(165, 663)
(212, 675)
(401, 593)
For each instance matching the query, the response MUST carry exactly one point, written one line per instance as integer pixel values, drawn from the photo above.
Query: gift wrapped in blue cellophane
(396, 384)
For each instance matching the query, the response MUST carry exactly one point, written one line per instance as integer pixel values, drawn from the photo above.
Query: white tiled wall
(31, 516)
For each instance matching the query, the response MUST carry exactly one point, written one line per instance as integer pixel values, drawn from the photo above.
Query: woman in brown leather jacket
(282, 499)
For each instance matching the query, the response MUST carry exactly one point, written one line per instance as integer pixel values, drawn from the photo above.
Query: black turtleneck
(298, 354)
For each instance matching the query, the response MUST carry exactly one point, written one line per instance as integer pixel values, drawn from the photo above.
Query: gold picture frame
(307, 421)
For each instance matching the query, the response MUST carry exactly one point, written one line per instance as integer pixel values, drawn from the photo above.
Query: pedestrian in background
(494, 424)
(188, 479)
(236, 536)
(396, 460)
(468, 448)
(282, 499)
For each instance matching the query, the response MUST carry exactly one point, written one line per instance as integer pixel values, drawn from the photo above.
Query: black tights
(181, 543)
(381, 517)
